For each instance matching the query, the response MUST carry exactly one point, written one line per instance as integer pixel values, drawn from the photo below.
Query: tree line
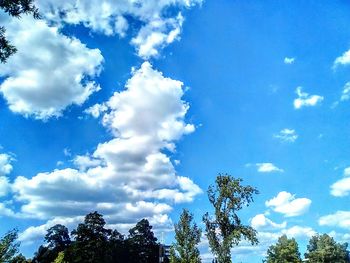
(92, 242)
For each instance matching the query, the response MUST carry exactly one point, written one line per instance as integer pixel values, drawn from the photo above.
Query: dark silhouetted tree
(225, 229)
(91, 241)
(142, 243)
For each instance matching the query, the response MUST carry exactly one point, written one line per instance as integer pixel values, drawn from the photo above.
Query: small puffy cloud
(287, 135)
(306, 100)
(338, 219)
(346, 92)
(268, 168)
(341, 188)
(49, 72)
(261, 222)
(5, 164)
(287, 204)
(342, 60)
(289, 60)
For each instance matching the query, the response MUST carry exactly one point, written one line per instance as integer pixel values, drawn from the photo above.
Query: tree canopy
(324, 249)
(8, 246)
(285, 251)
(187, 236)
(225, 229)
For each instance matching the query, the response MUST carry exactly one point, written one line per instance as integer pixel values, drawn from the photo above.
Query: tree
(187, 236)
(57, 237)
(142, 243)
(324, 249)
(285, 251)
(14, 8)
(60, 258)
(225, 229)
(8, 246)
(91, 241)
(18, 259)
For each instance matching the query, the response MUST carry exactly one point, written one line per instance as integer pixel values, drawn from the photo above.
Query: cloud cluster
(287, 135)
(306, 100)
(157, 23)
(129, 177)
(49, 72)
(287, 204)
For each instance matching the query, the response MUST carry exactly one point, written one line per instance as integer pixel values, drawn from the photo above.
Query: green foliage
(143, 244)
(19, 259)
(324, 249)
(14, 8)
(8, 246)
(225, 229)
(91, 240)
(60, 258)
(57, 237)
(285, 251)
(187, 236)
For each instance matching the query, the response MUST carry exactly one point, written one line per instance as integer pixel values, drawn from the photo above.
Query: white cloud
(286, 203)
(287, 135)
(129, 177)
(338, 219)
(299, 231)
(5, 164)
(288, 60)
(341, 187)
(268, 168)
(49, 72)
(110, 17)
(4, 185)
(342, 60)
(261, 222)
(346, 92)
(306, 100)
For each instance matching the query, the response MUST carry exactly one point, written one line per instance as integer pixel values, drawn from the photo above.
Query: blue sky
(133, 108)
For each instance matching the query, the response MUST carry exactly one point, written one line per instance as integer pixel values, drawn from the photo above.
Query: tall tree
(285, 251)
(8, 246)
(14, 8)
(143, 244)
(91, 241)
(225, 229)
(324, 249)
(187, 236)
(57, 237)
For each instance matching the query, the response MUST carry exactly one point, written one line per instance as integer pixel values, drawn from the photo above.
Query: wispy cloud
(306, 100)
(287, 135)
(289, 60)
(268, 168)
